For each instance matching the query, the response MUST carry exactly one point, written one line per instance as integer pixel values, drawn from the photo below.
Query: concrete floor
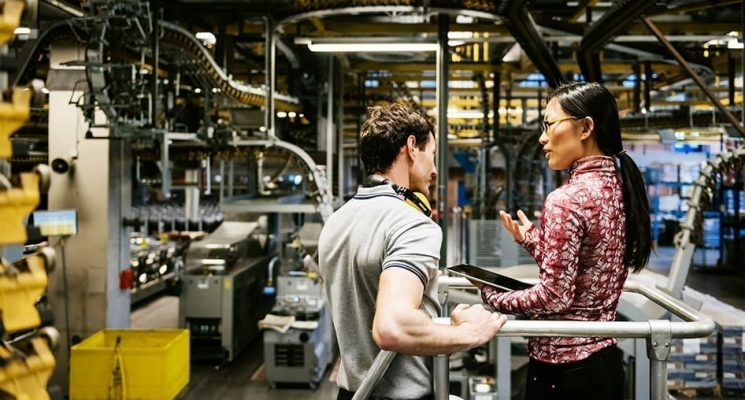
(242, 379)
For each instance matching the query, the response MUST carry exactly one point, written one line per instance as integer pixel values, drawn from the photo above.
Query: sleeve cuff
(414, 270)
(529, 238)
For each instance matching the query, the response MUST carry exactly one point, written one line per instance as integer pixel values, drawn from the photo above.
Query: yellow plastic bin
(152, 364)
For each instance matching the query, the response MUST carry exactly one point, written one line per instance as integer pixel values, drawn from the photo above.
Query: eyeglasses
(547, 124)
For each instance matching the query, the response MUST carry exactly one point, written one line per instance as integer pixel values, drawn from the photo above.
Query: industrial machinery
(301, 353)
(155, 265)
(221, 301)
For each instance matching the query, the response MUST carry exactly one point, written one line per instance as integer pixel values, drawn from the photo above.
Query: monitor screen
(56, 222)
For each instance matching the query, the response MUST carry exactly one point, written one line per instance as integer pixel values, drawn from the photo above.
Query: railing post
(658, 351)
(441, 376)
(374, 374)
(504, 367)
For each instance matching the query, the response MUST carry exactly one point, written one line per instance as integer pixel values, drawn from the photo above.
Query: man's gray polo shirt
(376, 230)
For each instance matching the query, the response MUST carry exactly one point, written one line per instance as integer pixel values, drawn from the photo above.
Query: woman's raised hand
(517, 229)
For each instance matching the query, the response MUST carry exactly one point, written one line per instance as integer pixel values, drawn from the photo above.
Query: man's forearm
(417, 334)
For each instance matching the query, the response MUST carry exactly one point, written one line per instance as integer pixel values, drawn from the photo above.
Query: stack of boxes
(733, 359)
(693, 364)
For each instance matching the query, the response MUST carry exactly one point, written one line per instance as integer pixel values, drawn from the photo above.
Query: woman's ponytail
(636, 203)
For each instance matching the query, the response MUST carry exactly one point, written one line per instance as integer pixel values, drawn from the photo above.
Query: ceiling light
(460, 35)
(292, 114)
(370, 47)
(22, 31)
(465, 114)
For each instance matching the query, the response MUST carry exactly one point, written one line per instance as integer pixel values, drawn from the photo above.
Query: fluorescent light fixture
(465, 114)
(367, 44)
(370, 47)
(22, 31)
(460, 35)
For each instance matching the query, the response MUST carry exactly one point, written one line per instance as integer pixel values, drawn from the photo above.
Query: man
(379, 258)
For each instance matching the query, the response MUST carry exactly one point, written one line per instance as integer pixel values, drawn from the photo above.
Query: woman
(593, 230)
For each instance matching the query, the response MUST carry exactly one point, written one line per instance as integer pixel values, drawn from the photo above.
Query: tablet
(490, 278)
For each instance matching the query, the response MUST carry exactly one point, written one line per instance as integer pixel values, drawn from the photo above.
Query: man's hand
(517, 230)
(476, 323)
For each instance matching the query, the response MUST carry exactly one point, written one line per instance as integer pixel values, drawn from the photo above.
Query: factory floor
(243, 378)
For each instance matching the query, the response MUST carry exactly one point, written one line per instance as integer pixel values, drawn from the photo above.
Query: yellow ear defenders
(416, 200)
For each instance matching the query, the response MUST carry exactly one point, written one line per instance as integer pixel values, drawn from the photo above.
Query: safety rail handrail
(657, 332)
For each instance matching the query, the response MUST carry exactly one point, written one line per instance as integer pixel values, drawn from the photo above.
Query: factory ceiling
(522, 47)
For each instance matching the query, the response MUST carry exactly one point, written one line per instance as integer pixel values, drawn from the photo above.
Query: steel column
(443, 61)
(156, 66)
(731, 77)
(340, 131)
(647, 86)
(270, 76)
(637, 98)
(441, 377)
(693, 75)
(330, 126)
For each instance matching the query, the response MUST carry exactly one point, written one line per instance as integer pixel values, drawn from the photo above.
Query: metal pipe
(693, 75)
(731, 78)
(191, 196)
(440, 376)
(658, 373)
(647, 86)
(330, 126)
(443, 61)
(270, 76)
(74, 11)
(637, 97)
(361, 104)
(165, 168)
(374, 374)
(222, 180)
(208, 175)
(340, 132)
(156, 66)
(697, 325)
(231, 178)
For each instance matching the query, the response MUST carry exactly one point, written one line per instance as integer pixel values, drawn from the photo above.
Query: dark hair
(386, 130)
(581, 99)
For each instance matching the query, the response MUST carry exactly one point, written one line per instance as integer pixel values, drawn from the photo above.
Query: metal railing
(658, 335)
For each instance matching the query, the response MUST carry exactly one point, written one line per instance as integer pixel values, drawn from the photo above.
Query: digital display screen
(56, 222)
(490, 278)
